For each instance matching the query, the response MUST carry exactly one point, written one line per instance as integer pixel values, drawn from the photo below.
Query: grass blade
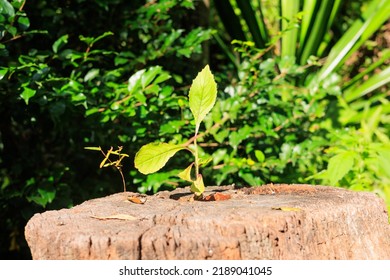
(372, 19)
(385, 56)
(289, 11)
(316, 31)
(230, 20)
(308, 11)
(252, 23)
(368, 86)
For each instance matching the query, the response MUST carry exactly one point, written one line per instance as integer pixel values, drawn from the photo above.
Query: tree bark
(276, 222)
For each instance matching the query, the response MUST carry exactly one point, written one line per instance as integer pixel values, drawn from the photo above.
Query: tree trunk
(269, 222)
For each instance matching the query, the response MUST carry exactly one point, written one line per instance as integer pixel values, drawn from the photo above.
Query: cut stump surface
(268, 222)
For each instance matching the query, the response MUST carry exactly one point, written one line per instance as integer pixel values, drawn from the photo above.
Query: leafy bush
(305, 113)
(284, 112)
(359, 157)
(268, 129)
(65, 84)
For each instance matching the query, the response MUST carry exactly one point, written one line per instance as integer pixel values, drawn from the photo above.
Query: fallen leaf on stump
(116, 217)
(217, 197)
(137, 199)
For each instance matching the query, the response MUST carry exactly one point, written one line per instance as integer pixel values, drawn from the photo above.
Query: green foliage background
(117, 73)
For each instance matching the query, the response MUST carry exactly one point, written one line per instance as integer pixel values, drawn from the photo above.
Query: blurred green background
(303, 96)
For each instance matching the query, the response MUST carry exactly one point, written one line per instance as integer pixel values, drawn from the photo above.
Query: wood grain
(327, 223)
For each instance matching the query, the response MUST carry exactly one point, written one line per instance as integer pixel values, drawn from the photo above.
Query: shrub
(64, 84)
(322, 109)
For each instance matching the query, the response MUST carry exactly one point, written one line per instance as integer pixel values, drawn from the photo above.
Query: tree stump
(275, 222)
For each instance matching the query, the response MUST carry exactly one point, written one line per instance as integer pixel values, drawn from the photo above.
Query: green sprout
(153, 156)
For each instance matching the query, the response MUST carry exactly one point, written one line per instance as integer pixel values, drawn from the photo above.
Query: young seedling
(106, 162)
(152, 157)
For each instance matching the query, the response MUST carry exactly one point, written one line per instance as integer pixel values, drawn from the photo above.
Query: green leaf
(205, 161)
(384, 160)
(202, 96)
(221, 135)
(152, 157)
(259, 156)
(197, 186)
(186, 173)
(3, 51)
(340, 165)
(6, 8)
(60, 42)
(105, 34)
(92, 74)
(91, 40)
(27, 94)
(370, 125)
(150, 75)
(236, 137)
(135, 81)
(12, 30)
(3, 72)
(250, 179)
(43, 197)
(24, 23)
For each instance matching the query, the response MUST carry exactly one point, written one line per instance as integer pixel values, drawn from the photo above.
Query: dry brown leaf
(217, 197)
(137, 199)
(116, 217)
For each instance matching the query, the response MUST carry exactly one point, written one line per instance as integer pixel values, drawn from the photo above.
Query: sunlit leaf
(135, 81)
(202, 96)
(27, 94)
(152, 157)
(150, 75)
(60, 42)
(205, 161)
(197, 186)
(43, 197)
(340, 165)
(259, 156)
(3, 72)
(91, 40)
(93, 73)
(186, 173)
